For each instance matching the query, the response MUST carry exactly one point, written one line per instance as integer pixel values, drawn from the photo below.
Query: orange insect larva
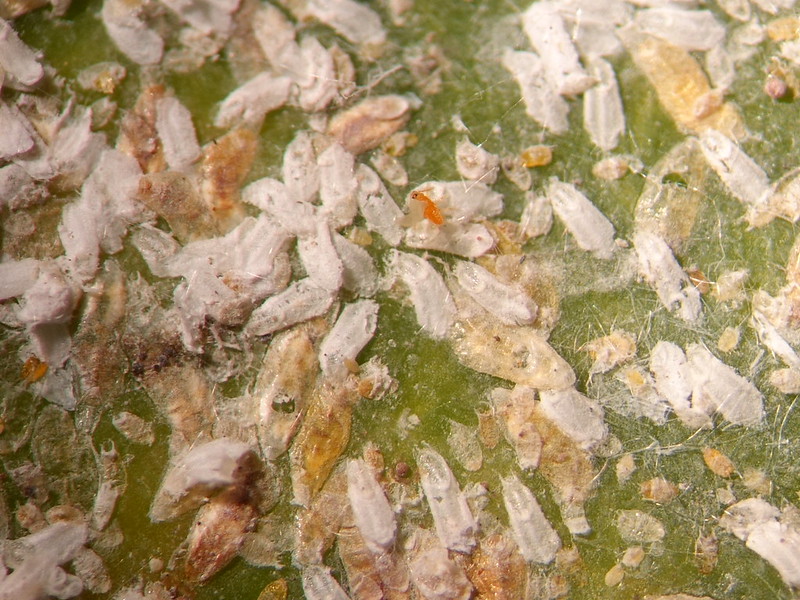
(431, 212)
(33, 370)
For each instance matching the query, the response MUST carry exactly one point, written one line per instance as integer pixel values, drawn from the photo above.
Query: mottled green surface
(432, 383)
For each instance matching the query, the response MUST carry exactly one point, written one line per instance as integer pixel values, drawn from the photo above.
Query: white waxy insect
(718, 387)
(18, 61)
(299, 302)
(537, 540)
(319, 584)
(659, 268)
(689, 29)
(773, 340)
(549, 37)
(638, 527)
(506, 302)
(16, 276)
(469, 240)
(741, 175)
(371, 510)
(204, 469)
(673, 380)
(773, 6)
(603, 114)
(757, 523)
(300, 171)
(462, 201)
(537, 216)
(355, 22)
(455, 525)
(176, 132)
(438, 577)
(316, 80)
(737, 9)
(380, 211)
(542, 102)
(248, 104)
(429, 295)
(130, 34)
(338, 185)
(274, 197)
(351, 332)
(320, 259)
(359, 274)
(15, 138)
(720, 66)
(35, 561)
(475, 163)
(576, 415)
(592, 231)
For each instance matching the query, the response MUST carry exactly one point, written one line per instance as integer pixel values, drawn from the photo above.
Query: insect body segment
(431, 212)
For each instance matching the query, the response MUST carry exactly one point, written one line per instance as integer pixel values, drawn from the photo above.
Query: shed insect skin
(431, 212)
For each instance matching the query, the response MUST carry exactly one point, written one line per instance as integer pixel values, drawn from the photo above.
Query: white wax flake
(592, 231)
(338, 185)
(248, 104)
(674, 381)
(576, 415)
(137, 41)
(315, 76)
(717, 387)
(469, 240)
(508, 303)
(19, 63)
(319, 584)
(537, 540)
(359, 274)
(689, 29)
(320, 259)
(603, 114)
(352, 331)
(549, 37)
(475, 163)
(658, 267)
(355, 22)
(772, 339)
(429, 295)
(201, 471)
(455, 525)
(757, 523)
(273, 197)
(300, 171)
(16, 276)
(741, 175)
(14, 136)
(299, 302)
(542, 102)
(371, 510)
(36, 559)
(176, 131)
